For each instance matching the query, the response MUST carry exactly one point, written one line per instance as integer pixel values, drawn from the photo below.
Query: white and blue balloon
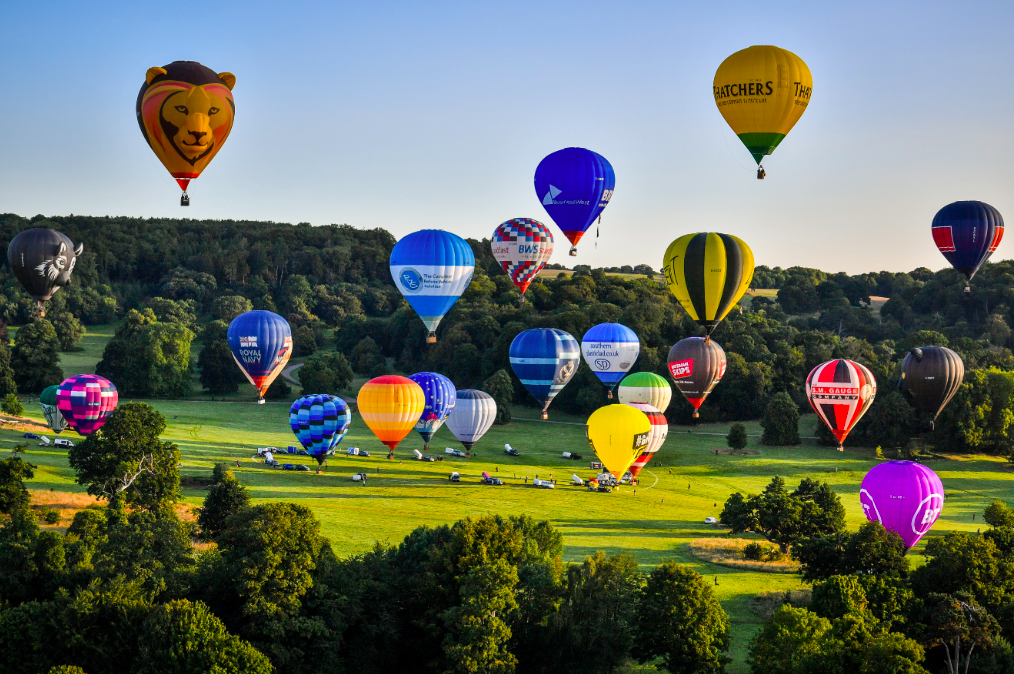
(610, 350)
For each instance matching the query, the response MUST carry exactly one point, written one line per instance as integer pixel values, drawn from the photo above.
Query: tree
(304, 343)
(959, 624)
(11, 405)
(65, 669)
(13, 494)
(69, 330)
(219, 372)
(872, 550)
(501, 388)
(478, 629)
(783, 517)
(737, 436)
(781, 421)
(891, 422)
(126, 460)
(960, 562)
(35, 357)
(147, 357)
(225, 498)
(184, 637)
(856, 644)
(838, 596)
(227, 307)
(279, 390)
(367, 358)
(325, 372)
(783, 642)
(680, 621)
(7, 384)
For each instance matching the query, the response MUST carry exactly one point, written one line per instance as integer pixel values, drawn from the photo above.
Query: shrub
(781, 421)
(737, 436)
(50, 516)
(11, 405)
(754, 551)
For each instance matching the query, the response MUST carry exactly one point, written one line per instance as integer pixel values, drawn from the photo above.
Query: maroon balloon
(906, 497)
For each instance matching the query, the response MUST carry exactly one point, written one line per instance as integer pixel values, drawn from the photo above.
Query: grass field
(686, 482)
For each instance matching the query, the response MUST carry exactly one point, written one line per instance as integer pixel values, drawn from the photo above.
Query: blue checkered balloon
(319, 421)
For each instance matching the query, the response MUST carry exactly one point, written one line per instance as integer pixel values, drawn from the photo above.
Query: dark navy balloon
(319, 422)
(261, 344)
(545, 359)
(967, 233)
(574, 185)
(440, 396)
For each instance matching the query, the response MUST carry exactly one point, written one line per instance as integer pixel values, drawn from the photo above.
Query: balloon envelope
(545, 359)
(47, 400)
(319, 422)
(656, 437)
(522, 246)
(86, 401)
(708, 273)
(391, 405)
(645, 387)
(840, 391)
(930, 376)
(618, 434)
(574, 185)
(610, 349)
(439, 395)
(696, 365)
(472, 415)
(967, 233)
(261, 344)
(431, 268)
(904, 496)
(42, 260)
(762, 92)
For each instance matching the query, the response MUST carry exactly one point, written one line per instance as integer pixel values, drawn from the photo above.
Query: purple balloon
(906, 497)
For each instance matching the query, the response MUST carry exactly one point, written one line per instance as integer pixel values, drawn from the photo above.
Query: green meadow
(686, 482)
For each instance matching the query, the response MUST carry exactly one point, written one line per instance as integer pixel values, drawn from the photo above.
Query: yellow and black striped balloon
(708, 273)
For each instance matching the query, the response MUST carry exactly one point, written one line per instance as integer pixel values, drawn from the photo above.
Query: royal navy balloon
(610, 350)
(440, 396)
(431, 268)
(904, 496)
(42, 260)
(261, 344)
(574, 185)
(545, 359)
(967, 233)
(86, 401)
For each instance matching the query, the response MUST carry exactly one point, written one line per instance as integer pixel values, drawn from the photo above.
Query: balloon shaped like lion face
(185, 112)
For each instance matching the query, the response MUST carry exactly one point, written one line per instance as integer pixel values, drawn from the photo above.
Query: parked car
(272, 463)
(363, 452)
(422, 457)
(454, 477)
(288, 466)
(454, 452)
(572, 456)
(31, 436)
(359, 477)
(303, 452)
(62, 442)
(543, 484)
(507, 449)
(303, 467)
(710, 520)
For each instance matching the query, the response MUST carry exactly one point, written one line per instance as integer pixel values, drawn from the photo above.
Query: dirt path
(287, 373)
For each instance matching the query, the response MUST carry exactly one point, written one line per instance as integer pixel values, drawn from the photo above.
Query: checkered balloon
(319, 422)
(522, 246)
(86, 401)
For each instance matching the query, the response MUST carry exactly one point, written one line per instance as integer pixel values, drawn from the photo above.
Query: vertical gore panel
(733, 274)
(693, 271)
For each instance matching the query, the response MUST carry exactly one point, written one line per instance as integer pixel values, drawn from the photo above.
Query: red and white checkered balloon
(522, 246)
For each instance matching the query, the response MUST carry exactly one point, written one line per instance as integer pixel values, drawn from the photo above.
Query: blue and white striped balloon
(610, 350)
(432, 268)
(473, 414)
(545, 359)
(440, 397)
(319, 422)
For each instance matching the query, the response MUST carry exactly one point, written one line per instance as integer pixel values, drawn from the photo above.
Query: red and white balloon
(840, 391)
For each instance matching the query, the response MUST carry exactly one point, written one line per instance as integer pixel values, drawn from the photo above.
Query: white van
(63, 442)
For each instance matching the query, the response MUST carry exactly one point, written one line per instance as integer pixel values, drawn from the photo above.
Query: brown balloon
(696, 365)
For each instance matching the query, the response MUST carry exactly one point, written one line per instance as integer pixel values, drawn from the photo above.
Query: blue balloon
(319, 421)
(967, 233)
(545, 359)
(432, 268)
(440, 396)
(261, 344)
(574, 186)
(610, 350)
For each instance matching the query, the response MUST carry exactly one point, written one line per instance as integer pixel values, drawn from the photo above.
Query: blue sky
(408, 115)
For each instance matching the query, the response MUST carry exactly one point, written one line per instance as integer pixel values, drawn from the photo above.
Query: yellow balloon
(762, 92)
(391, 405)
(618, 434)
(708, 273)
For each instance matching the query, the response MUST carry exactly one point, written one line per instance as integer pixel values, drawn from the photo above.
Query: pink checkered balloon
(86, 401)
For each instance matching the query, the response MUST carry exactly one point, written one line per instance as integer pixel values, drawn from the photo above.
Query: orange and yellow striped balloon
(391, 405)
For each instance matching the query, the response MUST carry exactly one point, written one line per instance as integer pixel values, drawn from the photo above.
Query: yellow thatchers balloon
(762, 92)
(391, 406)
(708, 273)
(618, 434)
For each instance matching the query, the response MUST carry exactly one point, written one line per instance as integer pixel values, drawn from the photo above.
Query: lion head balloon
(185, 111)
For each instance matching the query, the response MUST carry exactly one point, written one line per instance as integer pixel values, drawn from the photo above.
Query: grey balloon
(472, 415)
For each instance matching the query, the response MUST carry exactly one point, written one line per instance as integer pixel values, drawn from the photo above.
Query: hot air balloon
(440, 396)
(645, 387)
(42, 260)
(840, 391)
(261, 344)
(610, 349)
(762, 92)
(930, 376)
(391, 405)
(967, 233)
(473, 413)
(708, 273)
(432, 268)
(696, 365)
(86, 401)
(906, 497)
(574, 185)
(319, 422)
(545, 359)
(659, 431)
(618, 434)
(522, 246)
(50, 410)
(185, 111)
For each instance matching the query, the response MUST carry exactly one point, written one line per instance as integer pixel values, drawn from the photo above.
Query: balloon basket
(431, 338)
(760, 172)
(545, 415)
(260, 401)
(573, 251)
(609, 394)
(184, 199)
(968, 288)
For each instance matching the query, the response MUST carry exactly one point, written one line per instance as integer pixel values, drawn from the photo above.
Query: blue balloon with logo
(545, 359)
(319, 422)
(261, 344)
(432, 268)
(610, 350)
(574, 185)
(967, 233)
(440, 396)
